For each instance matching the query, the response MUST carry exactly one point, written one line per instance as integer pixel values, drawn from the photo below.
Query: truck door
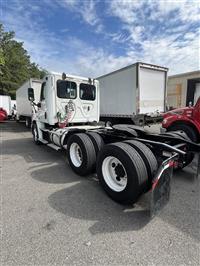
(196, 92)
(42, 110)
(89, 101)
(196, 111)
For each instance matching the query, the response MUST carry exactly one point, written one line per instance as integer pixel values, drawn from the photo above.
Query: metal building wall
(177, 87)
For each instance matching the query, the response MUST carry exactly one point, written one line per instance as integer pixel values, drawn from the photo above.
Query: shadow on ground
(86, 201)
(31, 152)
(58, 173)
(13, 126)
(182, 211)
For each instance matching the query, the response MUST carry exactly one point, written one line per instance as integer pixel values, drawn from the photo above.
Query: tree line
(15, 64)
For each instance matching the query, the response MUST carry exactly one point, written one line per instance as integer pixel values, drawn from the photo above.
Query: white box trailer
(133, 93)
(13, 104)
(5, 103)
(24, 108)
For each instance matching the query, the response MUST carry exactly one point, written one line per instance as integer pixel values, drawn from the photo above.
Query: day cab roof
(72, 77)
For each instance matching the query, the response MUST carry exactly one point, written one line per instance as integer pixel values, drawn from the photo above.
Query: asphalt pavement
(51, 216)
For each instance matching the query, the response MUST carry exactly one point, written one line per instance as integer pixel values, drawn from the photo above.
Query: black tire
(175, 134)
(188, 159)
(187, 129)
(126, 128)
(28, 122)
(189, 156)
(87, 151)
(96, 140)
(134, 166)
(181, 134)
(147, 156)
(35, 133)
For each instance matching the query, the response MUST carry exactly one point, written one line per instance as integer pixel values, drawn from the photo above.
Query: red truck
(186, 119)
(3, 115)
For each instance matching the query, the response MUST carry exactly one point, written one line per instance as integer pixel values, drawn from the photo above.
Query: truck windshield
(66, 89)
(87, 92)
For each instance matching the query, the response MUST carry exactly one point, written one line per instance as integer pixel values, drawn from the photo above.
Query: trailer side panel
(118, 92)
(5, 103)
(23, 104)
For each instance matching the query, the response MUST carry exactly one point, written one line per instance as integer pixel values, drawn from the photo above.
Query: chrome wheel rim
(114, 173)
(76, 155)
(35, 134)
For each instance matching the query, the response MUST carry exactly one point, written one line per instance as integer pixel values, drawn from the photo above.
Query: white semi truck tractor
(128, 161)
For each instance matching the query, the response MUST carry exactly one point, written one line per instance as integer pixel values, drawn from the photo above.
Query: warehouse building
(183, 89)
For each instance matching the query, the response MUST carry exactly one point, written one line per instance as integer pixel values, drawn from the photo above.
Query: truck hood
(179, 111)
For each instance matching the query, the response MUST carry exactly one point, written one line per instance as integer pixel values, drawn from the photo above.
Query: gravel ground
(50, 216)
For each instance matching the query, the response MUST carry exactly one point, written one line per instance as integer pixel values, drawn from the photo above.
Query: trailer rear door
(152, 87)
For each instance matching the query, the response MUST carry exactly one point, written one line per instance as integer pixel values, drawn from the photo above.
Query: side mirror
(31, 97)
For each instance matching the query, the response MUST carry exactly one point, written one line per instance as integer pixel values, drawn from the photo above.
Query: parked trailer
(14, 108)
(24, 108)
(5, 103)
(134, 94)
(128, 161)
(3, 115)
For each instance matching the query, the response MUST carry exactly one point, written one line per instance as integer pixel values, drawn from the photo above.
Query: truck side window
(42, 94)
(66, 89)
(87, 92)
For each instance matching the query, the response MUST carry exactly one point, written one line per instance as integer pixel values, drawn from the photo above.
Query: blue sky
(91, 38)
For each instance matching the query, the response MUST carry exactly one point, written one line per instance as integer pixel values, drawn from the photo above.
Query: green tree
(15, 64)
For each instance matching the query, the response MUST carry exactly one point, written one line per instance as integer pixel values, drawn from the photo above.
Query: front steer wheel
(188, 158)
(81, 154)
(35, 134)
(28, 122)
(190, 132)
(122, 172)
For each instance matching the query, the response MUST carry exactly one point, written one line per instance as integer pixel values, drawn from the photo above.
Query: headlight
(177, 112)
(164, 121)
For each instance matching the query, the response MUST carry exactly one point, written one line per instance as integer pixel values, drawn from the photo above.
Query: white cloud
(165, 51)
(188, 10)
(119, 37)
(128, 10)
(86, 9)
(125, 10)
(88, 13)
(162, 52)
(175, 47)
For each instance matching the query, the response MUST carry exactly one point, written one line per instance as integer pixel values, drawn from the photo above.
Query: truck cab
(186, 119)
(68, 99)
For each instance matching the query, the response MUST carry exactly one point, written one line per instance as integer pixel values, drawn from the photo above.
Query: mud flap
(161, 187)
